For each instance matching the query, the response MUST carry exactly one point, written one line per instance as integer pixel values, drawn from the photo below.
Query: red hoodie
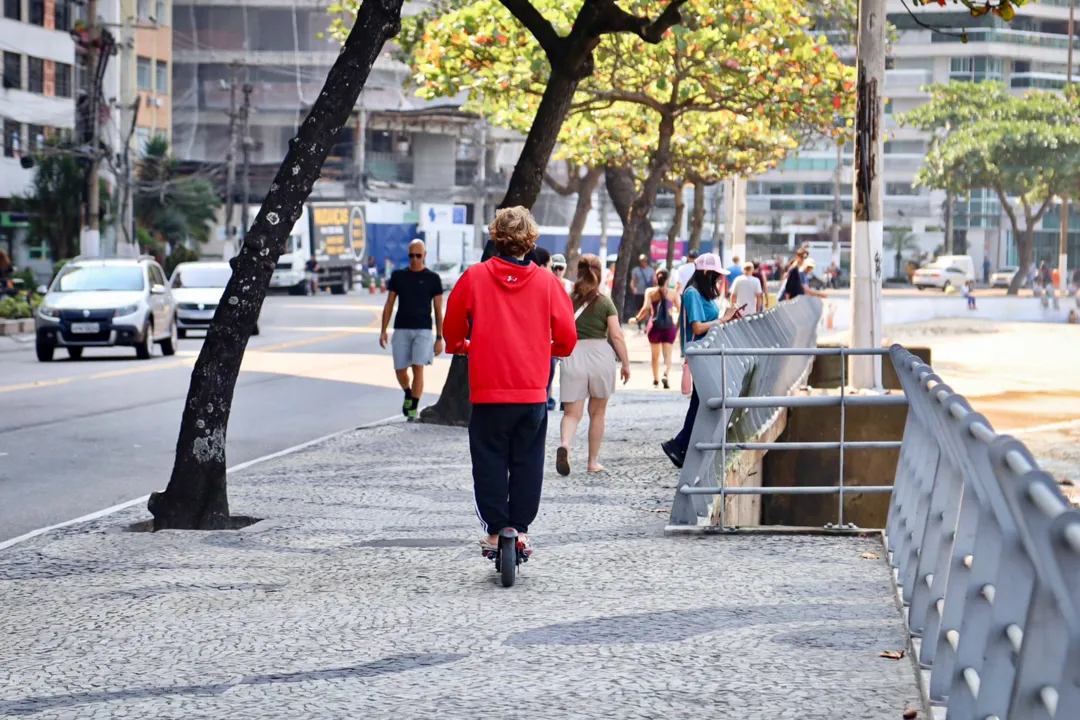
(520, 318)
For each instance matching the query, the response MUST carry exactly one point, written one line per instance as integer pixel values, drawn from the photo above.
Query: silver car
(95, 302)
(197, 288)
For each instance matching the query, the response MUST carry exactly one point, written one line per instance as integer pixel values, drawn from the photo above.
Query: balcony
(1039, 80)
(388, 167)
(910, 79)
(1012, 37)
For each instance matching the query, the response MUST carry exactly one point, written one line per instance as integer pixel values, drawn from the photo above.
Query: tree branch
(1007, 206)
(540, 28)
(564, 190)
(617, 20)
(638, 98)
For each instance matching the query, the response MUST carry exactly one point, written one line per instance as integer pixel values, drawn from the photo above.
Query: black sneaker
(675, 455)
(407, 404)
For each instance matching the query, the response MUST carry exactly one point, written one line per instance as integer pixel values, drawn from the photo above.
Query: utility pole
(248, 143)
(1063, 249)
(480, 208)
(91, 240)
(717, 233)
(869, 210)
(838, 207)
(230, 183)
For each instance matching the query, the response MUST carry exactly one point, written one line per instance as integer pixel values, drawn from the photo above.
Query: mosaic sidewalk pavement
(363, 596)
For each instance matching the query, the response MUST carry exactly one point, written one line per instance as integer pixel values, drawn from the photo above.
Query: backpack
(662, 320)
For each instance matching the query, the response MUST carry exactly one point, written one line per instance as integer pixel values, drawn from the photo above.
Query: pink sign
(658, 248)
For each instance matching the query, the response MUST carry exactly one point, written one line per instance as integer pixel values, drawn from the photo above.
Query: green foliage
(742, 83)
(170, 207)
(54, 201)
(180, 254)
(14, 309)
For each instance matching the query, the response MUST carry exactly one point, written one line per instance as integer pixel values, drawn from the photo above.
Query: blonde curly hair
(513, 231)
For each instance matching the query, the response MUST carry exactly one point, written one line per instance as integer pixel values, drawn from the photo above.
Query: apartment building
(37, 98)
(396, 148)
(145, 68)
(793, 203)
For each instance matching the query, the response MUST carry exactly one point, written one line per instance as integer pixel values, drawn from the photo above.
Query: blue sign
(459, 215)
(431, 214)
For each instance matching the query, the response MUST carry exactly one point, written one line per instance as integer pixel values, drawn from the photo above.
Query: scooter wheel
(507, 559)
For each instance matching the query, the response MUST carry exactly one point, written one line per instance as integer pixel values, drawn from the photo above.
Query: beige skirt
(589, 372)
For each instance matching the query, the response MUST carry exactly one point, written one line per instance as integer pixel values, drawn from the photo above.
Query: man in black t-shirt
(311, 274)
(418, 290)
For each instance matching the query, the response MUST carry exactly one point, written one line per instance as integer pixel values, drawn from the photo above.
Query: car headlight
(126, 310)
(49, 312)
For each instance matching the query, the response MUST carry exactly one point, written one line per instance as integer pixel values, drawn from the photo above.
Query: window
(900, 189)
(13, 9)
(37, 12)
(161, 14)
(976, 69)
(81, 84)
(161, 78)
(62, 15)
(63, 80)
(144, 9)
(11, 137)
(142, 137)
(13, 70)
(35, 137)
(145, 74)
(35, 75)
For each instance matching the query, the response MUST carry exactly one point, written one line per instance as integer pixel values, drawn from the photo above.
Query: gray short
(412, 347)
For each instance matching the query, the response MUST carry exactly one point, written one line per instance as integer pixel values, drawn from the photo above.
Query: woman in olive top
(589, 372)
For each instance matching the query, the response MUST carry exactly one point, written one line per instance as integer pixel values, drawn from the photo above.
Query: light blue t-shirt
(733, 272)
(695, 308)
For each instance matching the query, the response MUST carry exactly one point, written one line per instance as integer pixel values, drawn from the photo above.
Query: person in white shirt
(685, 272)
(746, 291)
(558, 266)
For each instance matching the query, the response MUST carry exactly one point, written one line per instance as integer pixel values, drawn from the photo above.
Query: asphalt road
(79, 436)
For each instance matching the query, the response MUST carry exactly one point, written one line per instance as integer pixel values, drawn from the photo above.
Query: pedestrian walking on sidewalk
(418, 290)
(642, 278)
(700, 313)
(660, 302)
(510, 317)
(589, 372)
(746, 291)
(558, 267)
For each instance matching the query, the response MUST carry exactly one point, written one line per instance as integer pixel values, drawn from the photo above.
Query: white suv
(96, 302)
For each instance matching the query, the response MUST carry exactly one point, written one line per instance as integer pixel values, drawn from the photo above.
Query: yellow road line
(161, 365)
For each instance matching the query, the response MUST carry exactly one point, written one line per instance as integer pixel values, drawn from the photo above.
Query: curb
(394, 419)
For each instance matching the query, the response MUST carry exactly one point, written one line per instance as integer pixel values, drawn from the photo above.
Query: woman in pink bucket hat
(700, 313)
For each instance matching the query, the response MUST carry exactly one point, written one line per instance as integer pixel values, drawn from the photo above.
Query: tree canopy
(168, 205)
(1024, 149)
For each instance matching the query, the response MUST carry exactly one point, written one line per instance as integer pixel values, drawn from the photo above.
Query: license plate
(85, 328)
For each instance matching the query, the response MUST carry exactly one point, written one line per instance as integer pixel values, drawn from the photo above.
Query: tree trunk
(697, 217)
(676, 226)
(1025, 250)
(950, 205)
(586, 188)
(196, 497)
(637, 229)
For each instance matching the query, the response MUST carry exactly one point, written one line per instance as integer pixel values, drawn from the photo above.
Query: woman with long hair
(700, 313)
(659, 303)
(589, 372)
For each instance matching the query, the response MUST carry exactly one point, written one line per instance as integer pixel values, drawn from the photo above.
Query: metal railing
(986, 553)
(763, 359)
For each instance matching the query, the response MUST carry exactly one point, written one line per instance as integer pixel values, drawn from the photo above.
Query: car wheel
(74, 353)
(168, 347)
(44, 351)
(181, 333)
(921, 287)
(946, 286)
(145, 349)
(338, 289)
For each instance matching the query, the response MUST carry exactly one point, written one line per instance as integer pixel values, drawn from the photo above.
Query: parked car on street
(197, 288)
(946, 271)
(1004, 277)
(449, 273)
(95, 302)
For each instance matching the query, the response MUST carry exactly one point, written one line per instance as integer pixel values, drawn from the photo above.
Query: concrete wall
(816, 468)
(433, 160)
(902, 310)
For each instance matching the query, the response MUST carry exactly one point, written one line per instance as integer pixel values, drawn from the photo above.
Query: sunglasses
(416, 255)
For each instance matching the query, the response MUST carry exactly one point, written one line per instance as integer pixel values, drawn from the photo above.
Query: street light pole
(1063, 243)
(869, 209)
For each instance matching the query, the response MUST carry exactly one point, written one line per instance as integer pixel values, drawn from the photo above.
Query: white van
(944, 272)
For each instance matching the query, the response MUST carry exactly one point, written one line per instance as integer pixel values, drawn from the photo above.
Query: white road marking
(236, 468)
